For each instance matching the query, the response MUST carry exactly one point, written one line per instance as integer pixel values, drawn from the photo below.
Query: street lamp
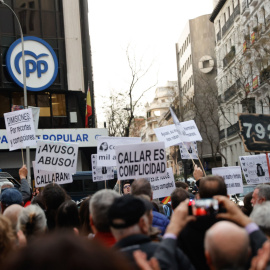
(24, 85)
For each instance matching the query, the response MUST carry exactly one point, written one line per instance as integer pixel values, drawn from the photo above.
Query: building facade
(63, 24)
(157, 116)
(242, 43)
(196, 67)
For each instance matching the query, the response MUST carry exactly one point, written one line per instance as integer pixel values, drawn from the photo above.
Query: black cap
(126, 211)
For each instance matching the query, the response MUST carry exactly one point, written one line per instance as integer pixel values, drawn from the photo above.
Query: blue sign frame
(10, 50)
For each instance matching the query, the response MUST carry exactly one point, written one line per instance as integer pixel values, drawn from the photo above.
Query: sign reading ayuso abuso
(41, 64)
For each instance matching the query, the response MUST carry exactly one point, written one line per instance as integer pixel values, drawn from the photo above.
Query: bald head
(226, 246)
(12, 212)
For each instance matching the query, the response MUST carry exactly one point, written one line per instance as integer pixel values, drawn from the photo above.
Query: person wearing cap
(130, 226)
(10, 196)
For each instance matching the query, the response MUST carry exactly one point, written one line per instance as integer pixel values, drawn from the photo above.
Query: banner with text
(168, 134)
(188, 131)
(255, 169)
(43, 178)
(20, 129)
(106, 149)
(101, 173)
(188, 150)
(56, 156)
(162, 186)
(233, 178)
(141, 160)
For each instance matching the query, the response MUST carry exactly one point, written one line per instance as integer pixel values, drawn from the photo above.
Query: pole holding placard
(24, 86)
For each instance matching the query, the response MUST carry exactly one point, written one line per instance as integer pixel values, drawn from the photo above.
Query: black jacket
(169, 256)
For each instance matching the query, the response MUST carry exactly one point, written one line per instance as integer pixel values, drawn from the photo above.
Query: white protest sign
(56, 156)
(168, 134)
(43, 178)
(191, 130)
(35, 112)
(141, 160)
(106, 149)
(187, 130)
(255, 169)
(20, 129)
(162, 186)
(189, 150)
(233, 178)
(100, 173)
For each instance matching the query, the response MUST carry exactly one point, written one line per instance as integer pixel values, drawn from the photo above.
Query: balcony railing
(222, 134)
(245, 8)
(232, 90)
(229, 57)
(233, 129)
(264, 75)
(230, 21)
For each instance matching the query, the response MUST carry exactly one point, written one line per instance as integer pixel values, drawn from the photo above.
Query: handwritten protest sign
(188, 131)
(101, 173)
(168, 134)
(20, 129)
(233, 178)
(162, 186)
(255, 169)
(141, 160)
(43, 178)
(56, 156)
(189, 151)
(106, 149)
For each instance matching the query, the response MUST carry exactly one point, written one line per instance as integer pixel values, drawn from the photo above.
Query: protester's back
(191, 239)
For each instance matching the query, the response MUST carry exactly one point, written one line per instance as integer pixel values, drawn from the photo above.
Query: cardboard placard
(189, 151)
(255, 132)
(20, 129)
(162, 186)
(168, 134)
(141, 160)
(56, 156)
(233, 178)
(188, 131)
(255, 169)
(43, 178)
(101, 173)
(106, 149)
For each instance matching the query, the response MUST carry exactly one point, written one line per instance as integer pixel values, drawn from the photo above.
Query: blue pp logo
(41, 64)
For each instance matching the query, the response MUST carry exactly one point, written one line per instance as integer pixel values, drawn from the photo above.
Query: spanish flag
(88, 111)
(166, 200)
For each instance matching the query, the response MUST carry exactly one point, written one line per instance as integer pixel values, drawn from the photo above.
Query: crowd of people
(125, 228)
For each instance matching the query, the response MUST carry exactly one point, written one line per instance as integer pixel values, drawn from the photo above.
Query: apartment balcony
(233, 129)
(222, 134)
(152, 119)
(245, 9)
(229, 57)
(231, 91)
(246, 46)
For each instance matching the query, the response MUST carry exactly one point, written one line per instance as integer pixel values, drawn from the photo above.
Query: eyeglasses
(126, 186)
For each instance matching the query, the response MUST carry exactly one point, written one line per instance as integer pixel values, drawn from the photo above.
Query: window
(58, 104)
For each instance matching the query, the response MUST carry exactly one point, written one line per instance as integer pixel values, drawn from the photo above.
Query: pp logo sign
(41, 64)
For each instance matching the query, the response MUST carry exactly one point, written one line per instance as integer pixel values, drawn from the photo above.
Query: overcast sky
(150, 27)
